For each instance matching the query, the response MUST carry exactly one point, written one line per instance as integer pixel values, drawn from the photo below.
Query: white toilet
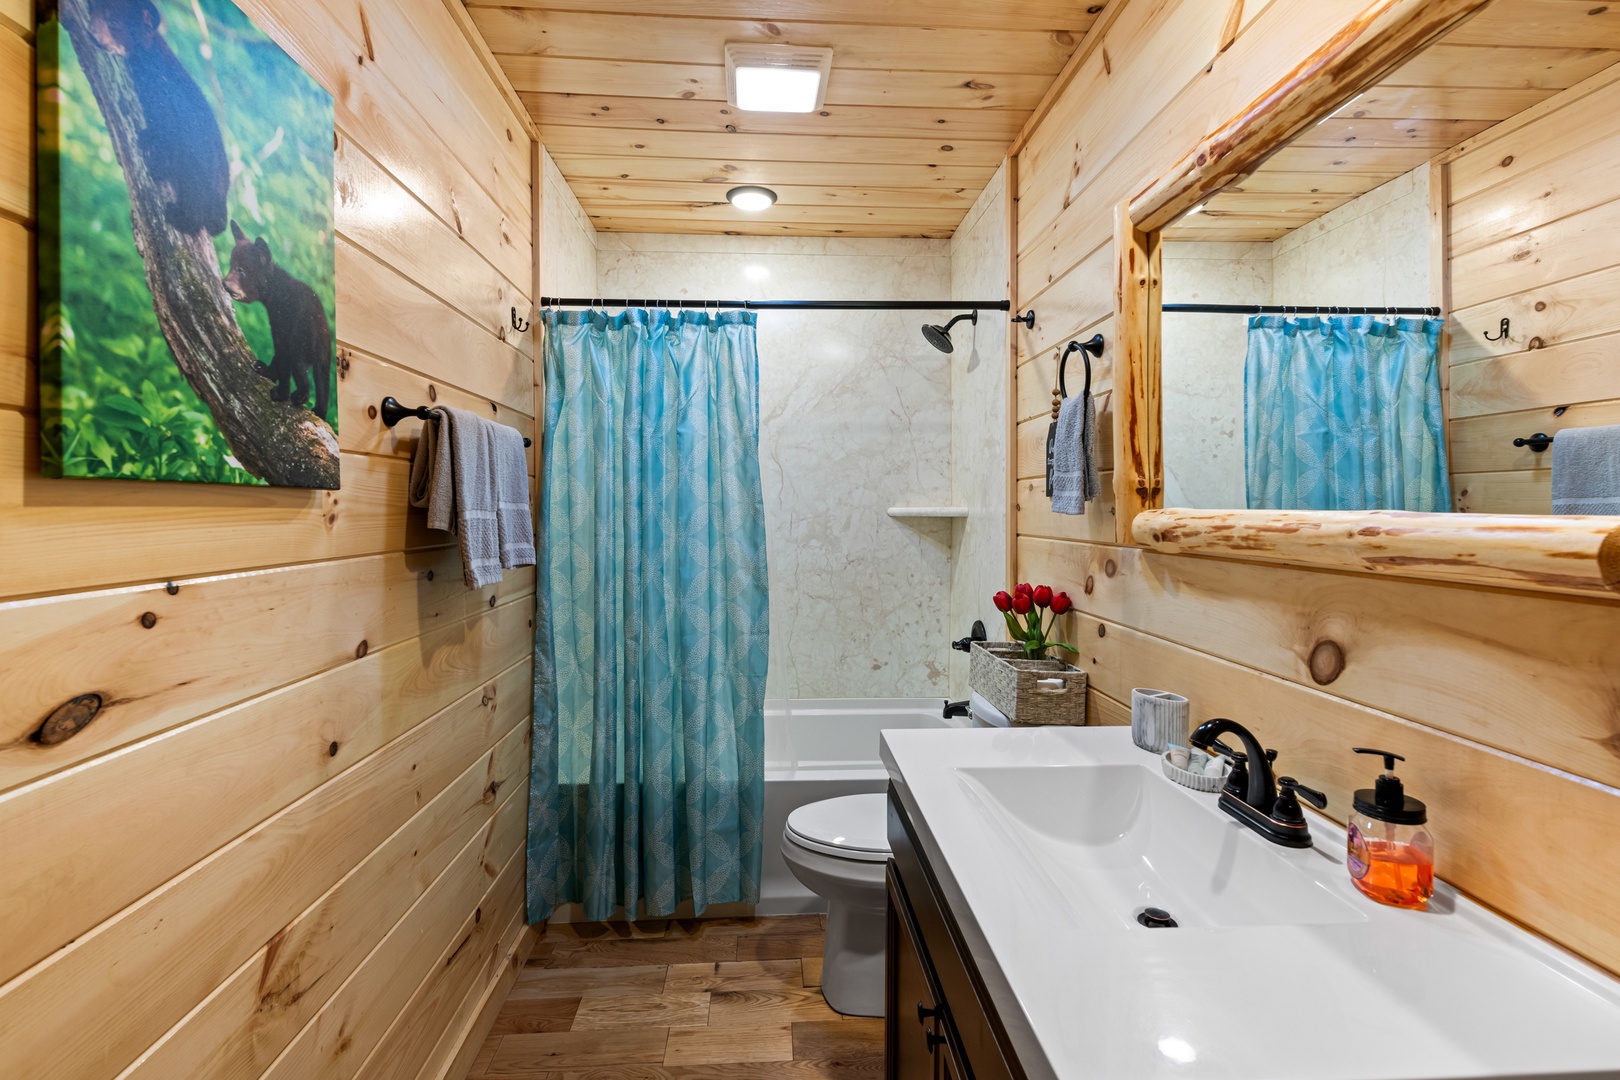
(838, 849)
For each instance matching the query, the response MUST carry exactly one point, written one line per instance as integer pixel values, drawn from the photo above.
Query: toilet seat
(853, 827)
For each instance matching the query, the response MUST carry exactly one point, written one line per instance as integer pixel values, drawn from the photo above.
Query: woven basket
(1027, 691)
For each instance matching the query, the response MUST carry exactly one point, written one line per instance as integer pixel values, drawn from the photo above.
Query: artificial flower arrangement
(1024, 610)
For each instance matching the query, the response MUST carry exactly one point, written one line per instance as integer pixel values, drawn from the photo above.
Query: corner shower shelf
(928, 511)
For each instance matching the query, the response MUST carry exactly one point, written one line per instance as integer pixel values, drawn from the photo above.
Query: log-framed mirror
(1568, 554)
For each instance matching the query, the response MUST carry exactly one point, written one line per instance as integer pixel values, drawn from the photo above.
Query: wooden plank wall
(1531, 214)
(291, 844)
(1506, 705)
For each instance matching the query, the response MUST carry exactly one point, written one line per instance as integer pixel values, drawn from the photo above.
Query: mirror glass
(1470, 190)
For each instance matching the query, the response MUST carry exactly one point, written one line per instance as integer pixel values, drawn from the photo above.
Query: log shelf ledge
(1573, 555)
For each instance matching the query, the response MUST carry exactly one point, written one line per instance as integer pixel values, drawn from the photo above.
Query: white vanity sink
(1047, 842)
(1113, 839)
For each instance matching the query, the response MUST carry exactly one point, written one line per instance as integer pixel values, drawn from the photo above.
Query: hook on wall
(520, 325)
(1501, 332)
(1027, 318)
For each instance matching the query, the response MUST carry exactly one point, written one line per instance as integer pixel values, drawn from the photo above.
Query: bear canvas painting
(186, 249)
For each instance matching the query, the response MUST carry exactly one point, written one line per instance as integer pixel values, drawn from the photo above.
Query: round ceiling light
(751, 198)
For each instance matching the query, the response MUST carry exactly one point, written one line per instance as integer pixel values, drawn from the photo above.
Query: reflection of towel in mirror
(1586, 471)
(473, 477)
(1074, 456)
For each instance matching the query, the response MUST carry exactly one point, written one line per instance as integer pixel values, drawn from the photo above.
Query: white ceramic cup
(1158, 718)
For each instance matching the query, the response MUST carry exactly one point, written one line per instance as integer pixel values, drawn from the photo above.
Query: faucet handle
(1286, 808)
(1310, 795)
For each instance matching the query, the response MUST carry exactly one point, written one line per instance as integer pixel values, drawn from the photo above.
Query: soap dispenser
(1391, 856)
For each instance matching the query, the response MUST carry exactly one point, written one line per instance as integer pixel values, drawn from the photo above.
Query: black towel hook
(1093, 347)
(520, 325)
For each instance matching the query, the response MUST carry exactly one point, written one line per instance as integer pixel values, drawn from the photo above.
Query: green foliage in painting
(113, 402)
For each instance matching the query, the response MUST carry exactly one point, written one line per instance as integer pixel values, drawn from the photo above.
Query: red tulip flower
(1027, 622)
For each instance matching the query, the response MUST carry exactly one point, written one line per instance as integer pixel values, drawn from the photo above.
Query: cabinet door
(913, 1009)
(950, 1062)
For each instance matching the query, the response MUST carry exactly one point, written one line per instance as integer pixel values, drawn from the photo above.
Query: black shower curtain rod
(783, 305)
(1294, 309)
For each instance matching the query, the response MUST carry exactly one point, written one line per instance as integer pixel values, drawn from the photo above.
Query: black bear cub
(299, 332)
(180, 141)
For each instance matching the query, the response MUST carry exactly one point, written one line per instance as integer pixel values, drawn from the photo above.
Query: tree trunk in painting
(283, 443)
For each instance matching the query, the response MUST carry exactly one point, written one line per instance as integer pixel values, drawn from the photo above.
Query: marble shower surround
(855, 417)
(567, 237)
(979, 266)
(1373, 250)
(1203, 358)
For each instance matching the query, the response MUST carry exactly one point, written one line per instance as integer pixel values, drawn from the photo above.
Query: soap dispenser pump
(1391, 850)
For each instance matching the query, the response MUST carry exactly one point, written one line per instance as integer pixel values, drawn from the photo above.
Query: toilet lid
(850, 827)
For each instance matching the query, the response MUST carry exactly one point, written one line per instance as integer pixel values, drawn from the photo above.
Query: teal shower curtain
(647, 785)
(1344, 413)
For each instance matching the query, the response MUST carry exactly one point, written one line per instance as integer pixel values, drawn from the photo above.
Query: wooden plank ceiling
(924, 98)
(1506, 58)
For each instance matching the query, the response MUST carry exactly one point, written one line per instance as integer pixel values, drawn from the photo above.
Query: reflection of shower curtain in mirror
(1344, 413)
(651, 639)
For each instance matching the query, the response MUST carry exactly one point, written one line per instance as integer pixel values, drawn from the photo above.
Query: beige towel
(472, 477)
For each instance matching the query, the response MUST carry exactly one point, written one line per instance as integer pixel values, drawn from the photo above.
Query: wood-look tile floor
(718, 999)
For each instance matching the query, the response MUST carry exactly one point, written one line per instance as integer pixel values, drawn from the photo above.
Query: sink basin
(1115, 839)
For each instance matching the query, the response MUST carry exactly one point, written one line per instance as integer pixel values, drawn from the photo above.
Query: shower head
(940, 336)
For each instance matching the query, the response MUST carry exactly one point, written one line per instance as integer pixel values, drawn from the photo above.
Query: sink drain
(1155, 918)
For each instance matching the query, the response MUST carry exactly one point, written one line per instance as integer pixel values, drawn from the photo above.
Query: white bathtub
(820, 748)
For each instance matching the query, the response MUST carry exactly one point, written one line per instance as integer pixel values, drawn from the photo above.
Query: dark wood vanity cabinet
(915, 1026)
(939, 1024)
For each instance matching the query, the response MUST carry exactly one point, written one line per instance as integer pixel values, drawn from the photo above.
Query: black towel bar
(393, 412)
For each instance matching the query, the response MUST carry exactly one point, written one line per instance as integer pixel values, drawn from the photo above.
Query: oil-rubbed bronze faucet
(1250, 794)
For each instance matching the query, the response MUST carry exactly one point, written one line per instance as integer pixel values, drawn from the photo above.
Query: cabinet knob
(933, 1037)
(924, 1014)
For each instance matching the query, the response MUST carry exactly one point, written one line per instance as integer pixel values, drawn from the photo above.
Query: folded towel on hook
(1586, 471)
(1074, 456)
(473, 478)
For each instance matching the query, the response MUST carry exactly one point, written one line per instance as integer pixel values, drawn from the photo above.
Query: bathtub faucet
(955, 708)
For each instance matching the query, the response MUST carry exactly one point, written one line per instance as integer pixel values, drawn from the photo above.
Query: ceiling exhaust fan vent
(777, 78)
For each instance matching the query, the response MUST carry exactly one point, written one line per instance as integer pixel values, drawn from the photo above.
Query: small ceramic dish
(1208, 781)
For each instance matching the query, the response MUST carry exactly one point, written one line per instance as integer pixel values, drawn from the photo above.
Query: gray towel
(473, 477)
(1074, 456)
(1586, 471)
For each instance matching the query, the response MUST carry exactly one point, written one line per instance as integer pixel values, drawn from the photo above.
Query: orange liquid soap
(1400, 875)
